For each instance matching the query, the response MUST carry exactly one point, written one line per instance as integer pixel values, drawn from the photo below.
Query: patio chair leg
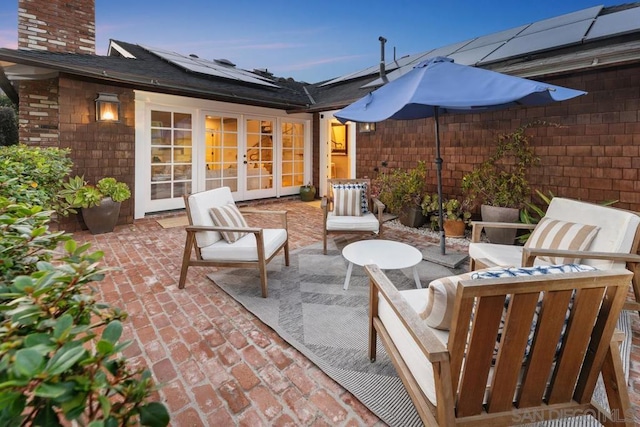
(263, 278)
(286, 253)
(185, 259)
(324, 242)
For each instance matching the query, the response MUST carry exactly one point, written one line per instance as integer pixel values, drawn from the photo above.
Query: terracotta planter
(504, 236)
(103, 217)
(453, 228)
(411, 216)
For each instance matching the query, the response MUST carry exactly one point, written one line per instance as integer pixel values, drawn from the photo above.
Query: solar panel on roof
(542, 40)
(202, 66)
(563, 20)
(473, 56)
(490, 39)
(416, 59)
(616, 23)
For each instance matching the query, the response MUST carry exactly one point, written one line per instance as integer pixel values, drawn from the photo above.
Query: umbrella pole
(439, 181)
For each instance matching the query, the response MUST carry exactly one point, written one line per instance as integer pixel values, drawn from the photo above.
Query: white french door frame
(326, 118)
(145, 102)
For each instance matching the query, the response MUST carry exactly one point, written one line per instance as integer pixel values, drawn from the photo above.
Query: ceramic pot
(307, 193)
(411, 216)
(503, 236)
(103, 217)
(453, 228)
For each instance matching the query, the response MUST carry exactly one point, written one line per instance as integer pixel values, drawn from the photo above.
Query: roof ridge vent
(223, 61)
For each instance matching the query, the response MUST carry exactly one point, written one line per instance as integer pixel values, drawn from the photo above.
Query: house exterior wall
(66, 26)
(38, 112)
(593, 156)
(98, 149)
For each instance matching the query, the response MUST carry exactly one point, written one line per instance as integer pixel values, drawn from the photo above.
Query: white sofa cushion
(245, 248)
(497, 254)
(366, 222)
(617, 227)
(199, 205)
(558, 234)
(415, 359)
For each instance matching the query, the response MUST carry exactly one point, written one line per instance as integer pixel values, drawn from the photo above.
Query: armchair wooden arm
(478, 226)
(529, 255)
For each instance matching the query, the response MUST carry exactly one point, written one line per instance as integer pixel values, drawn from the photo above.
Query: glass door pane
(221, 152)
(171, 155)
(292, 154)
(259, 154)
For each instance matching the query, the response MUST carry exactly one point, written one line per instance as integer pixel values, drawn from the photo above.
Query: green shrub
(60, 349)
(37, 172)
(8, 126)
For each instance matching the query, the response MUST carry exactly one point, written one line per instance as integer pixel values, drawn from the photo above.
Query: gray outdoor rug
(309, 309)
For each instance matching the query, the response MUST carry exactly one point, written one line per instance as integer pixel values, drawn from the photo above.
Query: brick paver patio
(218, 364)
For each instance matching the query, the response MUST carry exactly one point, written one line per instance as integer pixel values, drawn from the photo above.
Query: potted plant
(456, 214)
(500, 183)
(307, 192)
(100, 204)
(402, 191)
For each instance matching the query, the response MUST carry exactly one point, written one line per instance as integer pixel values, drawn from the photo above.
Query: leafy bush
(60, 348)
(502, 179)
(402, 188)
(8, 126)
(33, 175)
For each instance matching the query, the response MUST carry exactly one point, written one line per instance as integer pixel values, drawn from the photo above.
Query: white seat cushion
(245, 248)
(366, 222)
(418, 364)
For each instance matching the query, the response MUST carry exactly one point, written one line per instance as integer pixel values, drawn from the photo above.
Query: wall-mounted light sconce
(366, 127)
(107, 107)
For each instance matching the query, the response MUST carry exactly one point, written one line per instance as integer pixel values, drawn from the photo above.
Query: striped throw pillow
(346, 201)
(228, 216)
(364, 203)
(440, 298)
(557, 234)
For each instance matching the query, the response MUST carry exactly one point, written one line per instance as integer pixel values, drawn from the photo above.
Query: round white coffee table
(387, 254)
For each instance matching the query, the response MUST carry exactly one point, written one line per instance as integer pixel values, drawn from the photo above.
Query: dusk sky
(309, 41)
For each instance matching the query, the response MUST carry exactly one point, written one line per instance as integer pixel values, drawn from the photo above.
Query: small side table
(386, 254)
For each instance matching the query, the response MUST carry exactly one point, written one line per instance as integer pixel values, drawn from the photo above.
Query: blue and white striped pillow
(364, 203)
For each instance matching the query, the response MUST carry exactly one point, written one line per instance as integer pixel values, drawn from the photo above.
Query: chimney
(64, 26)
(383, 73)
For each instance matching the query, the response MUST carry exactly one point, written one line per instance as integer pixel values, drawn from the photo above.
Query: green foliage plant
(8, 126)
(502, 179)
(400, 188)
(77, 193)
(452, 210)
(33, 175)
(60, 350)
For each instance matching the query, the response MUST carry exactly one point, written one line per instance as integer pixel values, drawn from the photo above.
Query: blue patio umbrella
(440, 86)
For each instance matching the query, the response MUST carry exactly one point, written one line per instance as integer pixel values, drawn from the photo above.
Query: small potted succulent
(100, 204)
(456, 214)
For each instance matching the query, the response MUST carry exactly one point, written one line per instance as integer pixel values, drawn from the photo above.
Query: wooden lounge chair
(254, 246)
(465, 377)
(345, 220)
(616, 243)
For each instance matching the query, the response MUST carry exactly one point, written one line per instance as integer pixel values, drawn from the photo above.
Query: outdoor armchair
(518, 350)
(349, 208)
(571, 231)
(219, 236)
